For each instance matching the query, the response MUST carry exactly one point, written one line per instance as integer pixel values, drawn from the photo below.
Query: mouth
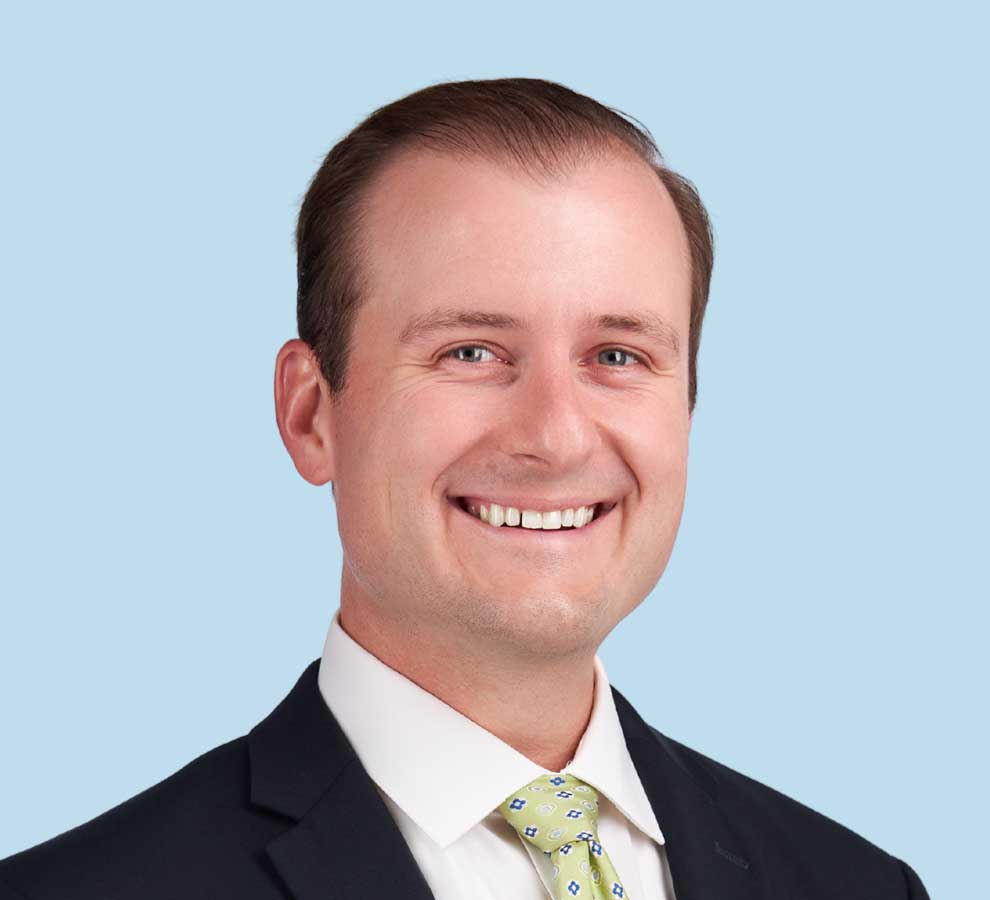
(518, 531)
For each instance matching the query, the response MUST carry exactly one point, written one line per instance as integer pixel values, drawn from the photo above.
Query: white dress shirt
(409, 742)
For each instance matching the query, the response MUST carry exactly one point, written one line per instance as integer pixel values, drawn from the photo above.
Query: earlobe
(303, 411)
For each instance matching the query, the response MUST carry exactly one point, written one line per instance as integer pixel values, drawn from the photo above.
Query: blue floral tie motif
(559, 814)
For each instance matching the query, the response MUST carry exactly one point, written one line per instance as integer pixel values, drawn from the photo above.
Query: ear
(303, 411)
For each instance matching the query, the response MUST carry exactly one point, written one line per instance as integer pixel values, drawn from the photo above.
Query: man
(501, 291)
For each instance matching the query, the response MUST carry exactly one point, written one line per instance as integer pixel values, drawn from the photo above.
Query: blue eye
(479, 347)
(466, 347)
(623, 353)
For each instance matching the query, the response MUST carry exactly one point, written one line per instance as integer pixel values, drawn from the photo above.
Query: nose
(553, 422)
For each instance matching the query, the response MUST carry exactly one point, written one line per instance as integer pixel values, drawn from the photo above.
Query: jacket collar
(304, 768)
(709, 849)
(349, 674)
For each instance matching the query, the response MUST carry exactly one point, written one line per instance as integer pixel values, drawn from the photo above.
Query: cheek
(660, 468)
(657, 440)
(672, 467)
(394, 440)
(427, 433)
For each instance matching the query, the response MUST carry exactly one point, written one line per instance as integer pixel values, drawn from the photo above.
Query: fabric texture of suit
(288, 811)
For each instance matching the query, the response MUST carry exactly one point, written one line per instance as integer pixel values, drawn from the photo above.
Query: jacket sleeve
(915, 889)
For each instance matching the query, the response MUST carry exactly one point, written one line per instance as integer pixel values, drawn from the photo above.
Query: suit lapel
(709, 855)
(342, 842)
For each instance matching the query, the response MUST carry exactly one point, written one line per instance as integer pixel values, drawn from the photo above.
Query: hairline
(585, 150)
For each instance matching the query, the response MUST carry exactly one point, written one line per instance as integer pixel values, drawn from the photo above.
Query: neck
(495, 693)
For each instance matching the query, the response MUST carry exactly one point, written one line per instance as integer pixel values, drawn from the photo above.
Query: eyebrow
(645, 323)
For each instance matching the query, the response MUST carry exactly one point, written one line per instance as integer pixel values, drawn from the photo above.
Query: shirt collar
(401, 731)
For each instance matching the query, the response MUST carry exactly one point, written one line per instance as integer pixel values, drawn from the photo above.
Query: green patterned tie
(559, 814)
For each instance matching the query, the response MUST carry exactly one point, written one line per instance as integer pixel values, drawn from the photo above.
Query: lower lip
(550, 537)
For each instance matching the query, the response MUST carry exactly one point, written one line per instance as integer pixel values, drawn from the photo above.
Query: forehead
(443, 229)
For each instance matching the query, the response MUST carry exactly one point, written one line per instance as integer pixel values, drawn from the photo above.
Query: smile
(513, 519)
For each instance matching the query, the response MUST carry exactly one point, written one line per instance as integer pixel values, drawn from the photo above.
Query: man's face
(557, 411)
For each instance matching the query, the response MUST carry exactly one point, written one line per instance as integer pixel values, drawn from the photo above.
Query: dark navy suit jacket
(288, 811)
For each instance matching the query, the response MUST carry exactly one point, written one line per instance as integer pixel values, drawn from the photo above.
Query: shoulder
(177, 838)
(798, 844)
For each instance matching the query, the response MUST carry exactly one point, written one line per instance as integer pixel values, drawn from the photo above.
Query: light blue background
(166, 574)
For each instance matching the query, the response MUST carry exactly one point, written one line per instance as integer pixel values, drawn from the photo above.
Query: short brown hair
(540, 126)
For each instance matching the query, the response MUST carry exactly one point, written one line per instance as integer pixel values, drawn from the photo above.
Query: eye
(467, 347)
(479, 348)
(621, 352)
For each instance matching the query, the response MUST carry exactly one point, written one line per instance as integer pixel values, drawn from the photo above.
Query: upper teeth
(496, 515)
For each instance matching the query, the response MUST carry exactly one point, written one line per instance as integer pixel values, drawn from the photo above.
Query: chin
(549, 622)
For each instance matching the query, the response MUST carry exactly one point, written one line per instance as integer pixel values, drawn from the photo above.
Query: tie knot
(553, 811)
